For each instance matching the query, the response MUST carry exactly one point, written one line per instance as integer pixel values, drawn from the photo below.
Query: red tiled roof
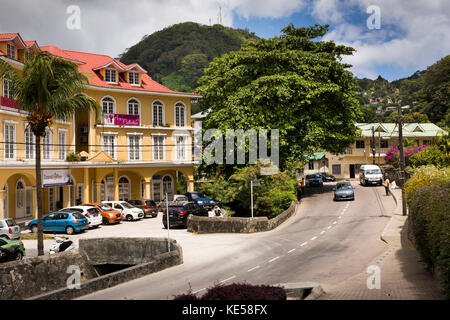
(89, 62)
(7, 35)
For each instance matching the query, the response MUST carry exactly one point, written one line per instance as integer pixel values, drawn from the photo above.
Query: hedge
(427, 196)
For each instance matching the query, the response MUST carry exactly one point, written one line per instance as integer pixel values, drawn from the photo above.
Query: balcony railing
(122, 119)
(9, 103)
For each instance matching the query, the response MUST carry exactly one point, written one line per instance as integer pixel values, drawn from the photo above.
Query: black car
(178, 214)
(327, 177)
(314, 180)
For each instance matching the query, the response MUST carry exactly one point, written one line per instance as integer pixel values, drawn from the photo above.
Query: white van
(370, 174)
(128, 211)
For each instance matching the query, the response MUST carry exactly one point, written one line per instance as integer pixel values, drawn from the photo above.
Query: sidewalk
(402, 275)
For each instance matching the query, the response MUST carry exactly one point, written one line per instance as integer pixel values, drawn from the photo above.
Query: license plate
(344, 196)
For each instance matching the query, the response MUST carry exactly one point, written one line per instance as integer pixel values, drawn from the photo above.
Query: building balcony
(121, 120)
(9, 103)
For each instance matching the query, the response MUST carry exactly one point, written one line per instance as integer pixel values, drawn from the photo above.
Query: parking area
(148, 227)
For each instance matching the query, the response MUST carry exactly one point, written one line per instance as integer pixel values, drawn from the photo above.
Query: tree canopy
(292, 83)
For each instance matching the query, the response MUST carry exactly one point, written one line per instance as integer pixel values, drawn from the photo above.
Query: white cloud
(264, 8)
(327, 11)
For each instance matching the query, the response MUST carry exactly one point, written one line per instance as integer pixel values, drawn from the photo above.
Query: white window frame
(12, 143)
(47, 146)
(113, 104)
(107, 148)
(110, 71)
(182, 106)
(7, 88)
(154, 148)
(62, 146)
(30, 146)
(80, 192)
(138, 102)
(132, 79)
(184, 147)
(132, 154)
(163, 112)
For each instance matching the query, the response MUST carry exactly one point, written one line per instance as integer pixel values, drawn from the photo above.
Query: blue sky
(413, 34)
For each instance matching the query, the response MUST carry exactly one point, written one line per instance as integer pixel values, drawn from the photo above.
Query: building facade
(386, 136)
(136, 148)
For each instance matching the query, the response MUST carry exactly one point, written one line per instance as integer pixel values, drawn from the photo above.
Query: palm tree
(48, 88)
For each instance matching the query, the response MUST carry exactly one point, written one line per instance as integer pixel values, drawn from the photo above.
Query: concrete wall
(238, 225)
(46, 277)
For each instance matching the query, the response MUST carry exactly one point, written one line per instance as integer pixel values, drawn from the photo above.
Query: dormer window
(133, 78)
(111, 75)
(11, 51)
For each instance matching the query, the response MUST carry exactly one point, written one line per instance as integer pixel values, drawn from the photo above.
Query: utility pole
(373, 144)
(402, 158)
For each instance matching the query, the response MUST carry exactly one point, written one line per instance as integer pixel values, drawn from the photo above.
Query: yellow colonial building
(136, 149)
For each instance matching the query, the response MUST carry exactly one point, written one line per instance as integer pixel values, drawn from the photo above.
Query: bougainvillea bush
(393, 154)
(428, 199)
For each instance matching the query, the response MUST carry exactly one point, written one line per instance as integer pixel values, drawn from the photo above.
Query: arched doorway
(168, 186)
(124, 188)
(20, 199)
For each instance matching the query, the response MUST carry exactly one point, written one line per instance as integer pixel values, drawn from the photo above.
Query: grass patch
(33, 236)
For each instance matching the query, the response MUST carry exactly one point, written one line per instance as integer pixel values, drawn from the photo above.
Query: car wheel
(70, 230)
(34, 229)
(19, 255)
(105, 221)
(129, 217)
(4, 236)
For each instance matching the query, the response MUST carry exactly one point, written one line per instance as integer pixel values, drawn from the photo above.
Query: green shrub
(72, 156)
(430, 156)
(427, 195)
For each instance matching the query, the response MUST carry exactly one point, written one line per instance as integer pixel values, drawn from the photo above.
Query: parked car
(327, 177)
(314, 180)
(201, 199)
(174, 199)
(178, 214)
(9, 229)
(149, 210)
(69, 222)
(109, 215)
(129, 212)
(93, 215)
(11, 250)
(344, 191)
(370, 174)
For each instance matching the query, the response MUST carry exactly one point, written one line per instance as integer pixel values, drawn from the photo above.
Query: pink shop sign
(123, 120)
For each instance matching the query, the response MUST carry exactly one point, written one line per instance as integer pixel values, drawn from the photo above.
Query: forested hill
(426, 92)
(177, 55)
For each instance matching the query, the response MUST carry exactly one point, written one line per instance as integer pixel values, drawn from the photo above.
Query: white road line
(303, 244)
(273, 259)
(322, 232)
(329, 228)
(227, 279)
(313, 238)
(334, 222)
(254, 268)
(292, 250)
(340, 217)
(198, 291)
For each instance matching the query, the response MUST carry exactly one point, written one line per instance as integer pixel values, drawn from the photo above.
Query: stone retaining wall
(238, 225)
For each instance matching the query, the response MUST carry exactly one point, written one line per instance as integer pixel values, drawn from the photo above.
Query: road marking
(254, 268)
(313, 238)
(198, 291)
(329, 228)
(273, 259)
(340, 217)
(291, 250)
(322, 232)
(334, 222)
(303, 244)
(227, 279)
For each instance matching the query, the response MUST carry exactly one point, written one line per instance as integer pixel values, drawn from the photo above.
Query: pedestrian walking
(386, 186)
(303, 186)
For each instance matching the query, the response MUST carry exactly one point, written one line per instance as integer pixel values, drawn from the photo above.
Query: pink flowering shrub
(393, 154)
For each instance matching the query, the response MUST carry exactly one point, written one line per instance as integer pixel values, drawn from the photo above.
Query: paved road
(327, 242)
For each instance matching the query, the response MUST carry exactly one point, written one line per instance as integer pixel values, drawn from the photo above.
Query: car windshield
(127, 205)
(197, 195)
(137, 202)
(105, 207)
(313, 176)
(373, 171)
(77, 215)
(11, 222)
(343, 186)
(150, 203)
(181, 199)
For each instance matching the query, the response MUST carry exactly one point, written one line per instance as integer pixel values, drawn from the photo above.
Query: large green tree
(48, 88)
(293, 83)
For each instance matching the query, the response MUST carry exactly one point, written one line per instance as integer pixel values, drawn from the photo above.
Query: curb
(302, 290)
(388, 234)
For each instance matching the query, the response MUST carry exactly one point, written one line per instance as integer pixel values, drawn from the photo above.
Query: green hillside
(427, 93)
(177, 55)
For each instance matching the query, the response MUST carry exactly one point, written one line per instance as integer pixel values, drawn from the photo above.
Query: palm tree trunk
(39, 196)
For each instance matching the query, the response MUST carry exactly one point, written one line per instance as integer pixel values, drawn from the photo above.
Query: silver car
(9, 229)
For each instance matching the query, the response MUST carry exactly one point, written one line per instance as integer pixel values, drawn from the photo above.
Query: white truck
(370, 174)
